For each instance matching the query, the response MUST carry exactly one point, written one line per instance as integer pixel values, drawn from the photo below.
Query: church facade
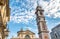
(25, 35)
(55, 33)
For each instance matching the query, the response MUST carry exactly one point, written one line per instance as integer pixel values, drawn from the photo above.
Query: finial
(38, 6)
(21, 29)
(27, 28)
(37, 3)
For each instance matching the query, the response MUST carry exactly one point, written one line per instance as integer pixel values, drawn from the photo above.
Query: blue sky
(22, 14)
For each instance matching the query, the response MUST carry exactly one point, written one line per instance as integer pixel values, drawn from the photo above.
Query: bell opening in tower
(41, 13)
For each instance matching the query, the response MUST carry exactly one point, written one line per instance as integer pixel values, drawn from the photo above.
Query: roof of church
(30, 31)
(21, 31)
(56, 26)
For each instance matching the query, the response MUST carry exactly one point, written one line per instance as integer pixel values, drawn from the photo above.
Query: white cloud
(23, 17)
(57, 23)
(52, 9)
(28, 13)
(24, 13)
(17, 0)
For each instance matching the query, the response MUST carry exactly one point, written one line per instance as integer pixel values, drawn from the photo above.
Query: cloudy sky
(22, 15)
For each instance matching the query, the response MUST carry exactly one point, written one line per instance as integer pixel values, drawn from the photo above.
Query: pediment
(29, 32)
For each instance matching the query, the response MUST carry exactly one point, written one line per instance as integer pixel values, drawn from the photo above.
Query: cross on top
(38, 2)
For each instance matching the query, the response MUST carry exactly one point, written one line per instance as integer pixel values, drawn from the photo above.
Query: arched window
(41, 13)
(46, 37)
(27, 37)
(43, 26)
(55, 35)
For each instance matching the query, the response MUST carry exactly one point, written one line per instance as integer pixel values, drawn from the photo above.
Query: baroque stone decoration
(25, 35)
(4, 18)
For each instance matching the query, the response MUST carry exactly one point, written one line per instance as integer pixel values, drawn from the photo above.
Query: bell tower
(41, 23)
